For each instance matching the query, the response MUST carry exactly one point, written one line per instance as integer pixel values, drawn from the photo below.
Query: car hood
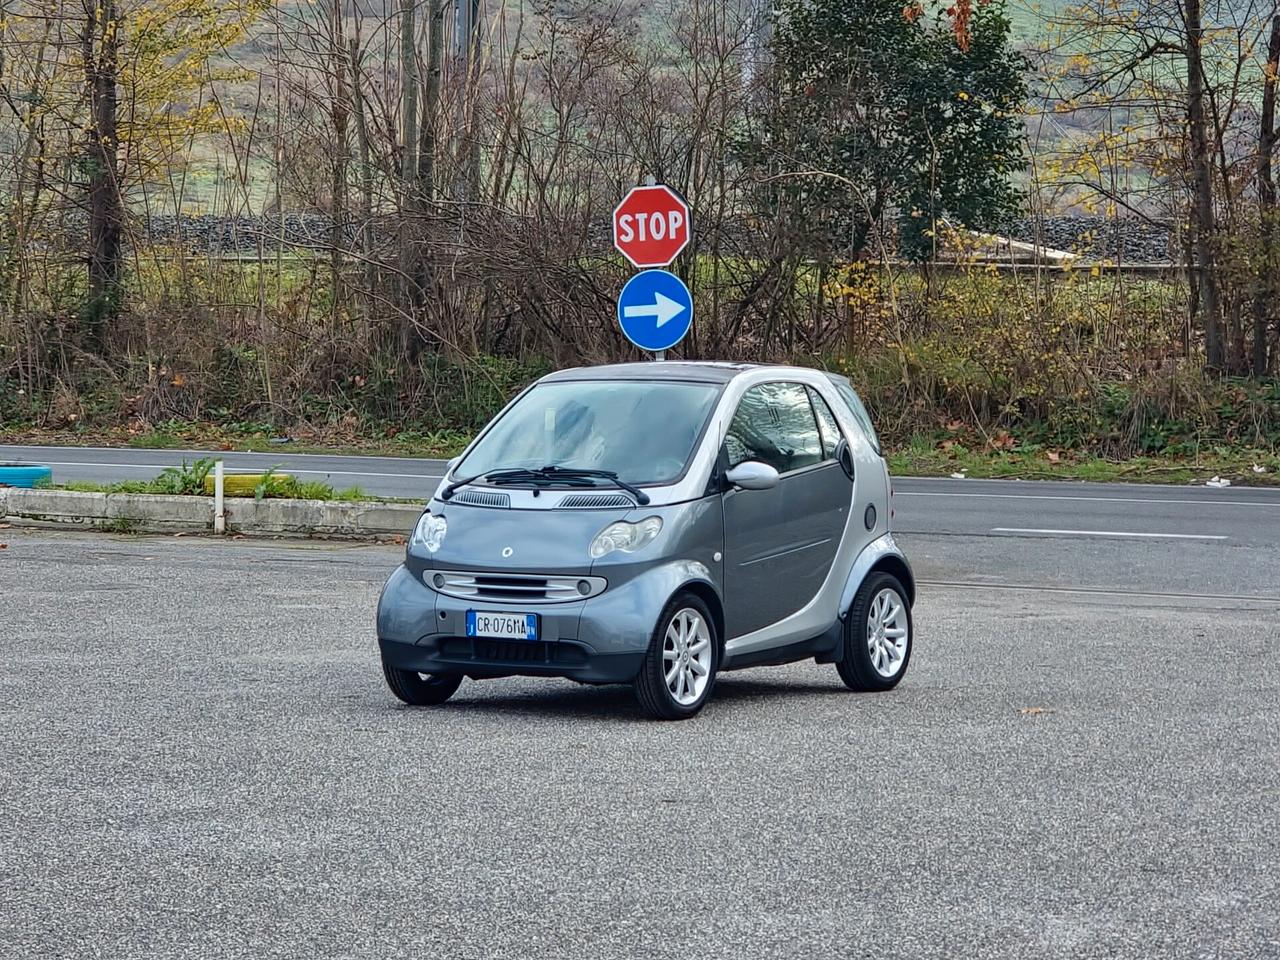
(519, 541)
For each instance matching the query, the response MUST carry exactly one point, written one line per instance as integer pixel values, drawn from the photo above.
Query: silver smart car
(654, 524)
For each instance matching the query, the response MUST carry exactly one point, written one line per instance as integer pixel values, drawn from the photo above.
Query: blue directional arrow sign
(655, 310)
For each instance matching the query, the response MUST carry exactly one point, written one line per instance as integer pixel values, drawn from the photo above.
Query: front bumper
(600, 640)
(488, 659)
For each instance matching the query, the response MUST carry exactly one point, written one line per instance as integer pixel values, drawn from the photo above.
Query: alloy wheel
(686, 656)
(887, 632)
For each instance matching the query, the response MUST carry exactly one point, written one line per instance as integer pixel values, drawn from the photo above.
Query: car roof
(693, 371)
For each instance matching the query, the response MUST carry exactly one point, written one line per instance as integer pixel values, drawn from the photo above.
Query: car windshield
(644, 431)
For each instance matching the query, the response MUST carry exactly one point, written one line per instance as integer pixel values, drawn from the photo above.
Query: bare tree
(100, 32)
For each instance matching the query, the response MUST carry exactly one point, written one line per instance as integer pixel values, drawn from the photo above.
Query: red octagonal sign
(651, 226)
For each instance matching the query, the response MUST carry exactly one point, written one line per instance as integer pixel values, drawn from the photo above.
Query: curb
(149, 513)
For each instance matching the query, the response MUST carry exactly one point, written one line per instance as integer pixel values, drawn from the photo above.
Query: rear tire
(878, 635)
(679, 669)
(421, 689)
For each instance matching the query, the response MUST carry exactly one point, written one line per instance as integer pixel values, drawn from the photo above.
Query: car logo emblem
(506, 552)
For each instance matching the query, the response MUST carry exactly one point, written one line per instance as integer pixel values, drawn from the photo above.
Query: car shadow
(736, 687)
(614, 703)
(565, 699)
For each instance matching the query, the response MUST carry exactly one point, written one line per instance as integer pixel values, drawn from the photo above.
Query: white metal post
(219, 515)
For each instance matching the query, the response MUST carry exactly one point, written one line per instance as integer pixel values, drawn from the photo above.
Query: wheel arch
(705, 592)
(880, 555)
(897, 567)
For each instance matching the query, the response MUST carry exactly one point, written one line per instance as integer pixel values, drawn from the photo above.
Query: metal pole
(660, 355)
(219, 514)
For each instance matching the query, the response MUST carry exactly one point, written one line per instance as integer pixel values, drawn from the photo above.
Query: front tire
(878, 635)
(680, 666)
(421, 689)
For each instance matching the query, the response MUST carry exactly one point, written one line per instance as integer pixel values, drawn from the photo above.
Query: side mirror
(753, 475)
(844, 455)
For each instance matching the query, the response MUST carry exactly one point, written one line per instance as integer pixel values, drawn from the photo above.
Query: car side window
(859, 411)
(827, 425)
(774, 424)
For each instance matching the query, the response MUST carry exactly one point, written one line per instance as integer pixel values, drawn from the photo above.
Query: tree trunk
(425, 190)
(408, 159)
(99, 48)
(428, 145)
(466, 38)
(409, 92)
(1202, 220)
(341, 153)
(366, 170)
(1264, 299)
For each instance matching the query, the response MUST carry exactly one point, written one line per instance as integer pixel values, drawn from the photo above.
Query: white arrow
(663, 309)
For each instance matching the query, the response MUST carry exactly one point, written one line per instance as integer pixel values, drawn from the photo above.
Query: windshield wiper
(566, 473)
(449, 491)
(518, 475)
(546, 476)
(539, 478)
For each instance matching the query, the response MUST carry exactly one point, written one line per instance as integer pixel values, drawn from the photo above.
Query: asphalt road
(200, 760)
(1014, 508)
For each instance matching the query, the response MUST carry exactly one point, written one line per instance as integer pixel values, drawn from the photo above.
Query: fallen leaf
(398, 541)
(4, 546)
(1033, 711)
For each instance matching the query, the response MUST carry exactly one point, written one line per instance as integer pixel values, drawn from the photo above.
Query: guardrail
(1049, 269)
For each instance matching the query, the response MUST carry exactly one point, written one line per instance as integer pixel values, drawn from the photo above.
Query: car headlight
(627, 537)
(429, 532)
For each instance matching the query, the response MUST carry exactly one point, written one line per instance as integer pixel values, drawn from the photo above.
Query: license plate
(502, 626)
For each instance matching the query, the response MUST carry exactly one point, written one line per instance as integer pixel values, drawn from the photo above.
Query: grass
(924, 458)
(272, 488)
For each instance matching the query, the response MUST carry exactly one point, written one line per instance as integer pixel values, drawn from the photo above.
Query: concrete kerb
(147, 513)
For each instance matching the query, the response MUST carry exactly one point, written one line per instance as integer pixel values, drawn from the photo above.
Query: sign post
(650, 228)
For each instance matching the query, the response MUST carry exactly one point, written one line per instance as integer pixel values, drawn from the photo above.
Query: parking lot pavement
(200, 760)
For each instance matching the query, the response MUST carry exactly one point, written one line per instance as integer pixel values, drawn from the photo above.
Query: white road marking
(1096, 591)
(1051, 496)
(233, 453)
(1109, 533)
(232, 467)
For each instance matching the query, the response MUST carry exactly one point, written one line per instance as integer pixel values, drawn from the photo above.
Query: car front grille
(593, 501)
(513, 588)
(481, 498)
(512, 652)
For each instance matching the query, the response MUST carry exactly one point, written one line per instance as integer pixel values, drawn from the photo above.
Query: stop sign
(651, 226)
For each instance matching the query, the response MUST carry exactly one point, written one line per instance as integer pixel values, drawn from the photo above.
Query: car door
(779, 543)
